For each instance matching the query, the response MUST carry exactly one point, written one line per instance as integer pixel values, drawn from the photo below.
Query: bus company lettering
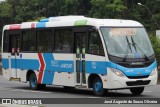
(94, 65)
(54, 63)
(66, 66)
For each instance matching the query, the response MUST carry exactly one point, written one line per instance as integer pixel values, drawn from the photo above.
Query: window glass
(28, 41)
(63, 41)
(44, 40)
(95, 44)
(127, 42)
(5, 42)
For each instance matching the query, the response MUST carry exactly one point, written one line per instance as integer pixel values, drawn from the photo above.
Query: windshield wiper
(135, 44)
(129, 46)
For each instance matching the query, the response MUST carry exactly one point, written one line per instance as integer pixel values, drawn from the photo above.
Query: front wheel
(33, 83)
(98, 87)
(137, 90)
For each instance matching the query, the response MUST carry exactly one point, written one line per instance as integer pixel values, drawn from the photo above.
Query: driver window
(95, 44)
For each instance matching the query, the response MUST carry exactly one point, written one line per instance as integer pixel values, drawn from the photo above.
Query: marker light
(117, 72)
(154, 71)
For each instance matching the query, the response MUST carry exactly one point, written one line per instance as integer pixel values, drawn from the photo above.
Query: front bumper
(116, 82)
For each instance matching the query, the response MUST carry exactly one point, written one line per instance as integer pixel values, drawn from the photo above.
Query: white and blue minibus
(77, 51)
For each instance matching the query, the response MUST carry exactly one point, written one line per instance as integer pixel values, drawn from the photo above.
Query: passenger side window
(63, 41)
(28, 41)
(44, 40)
(95, 44)
(5, 42)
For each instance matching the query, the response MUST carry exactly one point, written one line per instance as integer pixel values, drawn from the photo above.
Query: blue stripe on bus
(68, 66)
(44, 20)
(48, 75)
(96, 67)
(135, 71)
(5, 63)
(101, 68)
(58, 65)
(28, 64)
(21, 64)
(41, 25)
(53, 65)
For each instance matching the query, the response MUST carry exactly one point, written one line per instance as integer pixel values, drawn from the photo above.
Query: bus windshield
(127, 42)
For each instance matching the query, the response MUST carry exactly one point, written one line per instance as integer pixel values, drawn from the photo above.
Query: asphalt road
(15, 89)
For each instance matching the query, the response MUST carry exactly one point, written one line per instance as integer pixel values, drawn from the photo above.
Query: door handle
(78, 53)
(83, 52)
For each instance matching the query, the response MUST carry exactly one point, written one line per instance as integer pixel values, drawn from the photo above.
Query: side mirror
(93, 29)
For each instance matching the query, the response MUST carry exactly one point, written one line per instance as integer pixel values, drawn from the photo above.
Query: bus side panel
(18, 70)
(23, 75)
(6, 66)
(63, 66)
(64, 78)
(96, 65)
(26, 62)
(58, 68)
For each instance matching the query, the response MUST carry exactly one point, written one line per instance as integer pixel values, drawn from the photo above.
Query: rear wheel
(98, 87)
(33, 83)
(137, 91)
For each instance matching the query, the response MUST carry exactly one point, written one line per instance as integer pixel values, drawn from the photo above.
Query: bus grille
(135, 83)
(137, 77)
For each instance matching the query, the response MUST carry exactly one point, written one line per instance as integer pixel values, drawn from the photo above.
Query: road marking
(9, 89)
(94, 97)
(148, 91)
(35, 91)
(4, 89)
(16, 105)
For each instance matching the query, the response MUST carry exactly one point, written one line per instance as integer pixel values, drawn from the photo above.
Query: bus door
(80, 47)
(14, 49)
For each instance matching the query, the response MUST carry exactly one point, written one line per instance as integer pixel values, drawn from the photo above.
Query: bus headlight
(117, 72)
(154, 71)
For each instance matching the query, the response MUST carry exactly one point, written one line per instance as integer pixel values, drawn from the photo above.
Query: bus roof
(62, 21)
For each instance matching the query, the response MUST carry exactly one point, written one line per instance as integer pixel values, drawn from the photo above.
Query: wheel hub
(98, 86)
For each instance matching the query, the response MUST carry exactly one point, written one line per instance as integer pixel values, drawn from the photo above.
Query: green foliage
(37, 19)
(117, 7)
(5, 9)
(98, 9)
(18, 11)
(156, 46)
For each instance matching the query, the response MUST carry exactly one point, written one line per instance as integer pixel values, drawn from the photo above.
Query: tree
(107, 8)
(156, 46)
(5, 14)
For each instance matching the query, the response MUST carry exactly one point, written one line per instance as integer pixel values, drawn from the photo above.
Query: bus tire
(33, 83)
(137, 90)
(98, 87)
